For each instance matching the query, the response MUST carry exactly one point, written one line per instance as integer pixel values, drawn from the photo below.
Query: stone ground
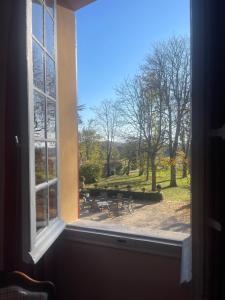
(165, 215)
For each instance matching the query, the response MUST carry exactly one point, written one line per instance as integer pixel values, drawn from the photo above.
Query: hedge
(152, 196)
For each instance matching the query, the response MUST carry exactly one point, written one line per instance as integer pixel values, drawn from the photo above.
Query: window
(43, 129)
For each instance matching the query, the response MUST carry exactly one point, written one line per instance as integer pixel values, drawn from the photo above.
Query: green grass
(180, 193)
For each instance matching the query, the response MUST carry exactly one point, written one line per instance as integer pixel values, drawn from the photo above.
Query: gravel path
(164, 215)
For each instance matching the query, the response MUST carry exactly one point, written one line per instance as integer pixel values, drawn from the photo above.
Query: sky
(115, 36)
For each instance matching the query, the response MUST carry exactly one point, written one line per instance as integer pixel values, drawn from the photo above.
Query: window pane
(53, 201)
(50, 5)
(49, 33)
(37, 20)
(40, 162)
(51, 119)
(41, 209)
(50, 76)
(38, 66)
(52, 157)
(39, 115)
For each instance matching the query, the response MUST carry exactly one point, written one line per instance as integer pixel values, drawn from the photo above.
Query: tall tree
(89, 143)
(142, 107)
(107, 119)
(129, 94)
(170, 62)
(185, 140)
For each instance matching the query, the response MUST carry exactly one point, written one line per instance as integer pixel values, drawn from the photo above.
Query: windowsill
(156, 242)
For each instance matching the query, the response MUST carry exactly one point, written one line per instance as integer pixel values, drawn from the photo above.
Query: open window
(43, 134)
(135, 147)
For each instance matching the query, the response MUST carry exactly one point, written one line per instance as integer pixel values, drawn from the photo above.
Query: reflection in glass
(39, 115)
(50, 76)
(51, 119)
(37, 20)
(50, 5)
(41, 209)
(40, 162)
(38, 66)
(52, 160)
(53, 201)
(49, 33)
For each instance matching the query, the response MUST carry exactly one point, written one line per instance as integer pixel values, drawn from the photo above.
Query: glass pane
(38, 66)
(50, 76)
(39, 115)
(50, 5)
(53, 201)
(51, 119)
(37, 20)
(41, 209)
(40, 162)
(52, 157)
(49, 33)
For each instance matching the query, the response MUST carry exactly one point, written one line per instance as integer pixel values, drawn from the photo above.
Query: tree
(79, 108)
(142, 106)
(153, 109)
(185, 140)
(107, 119)
(89, 142)
(129, 94)
(170, 62)
(128, 152)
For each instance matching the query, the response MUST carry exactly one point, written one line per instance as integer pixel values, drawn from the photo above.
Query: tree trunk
(185, 168)
(108, 166)
(140, 158)
(173, 175)
(128, 168)
(153, 166)
(147, 167)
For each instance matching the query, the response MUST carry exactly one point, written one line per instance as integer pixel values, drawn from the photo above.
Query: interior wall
(69, 176)
(3, 78)
(13, 92)
(86, 271)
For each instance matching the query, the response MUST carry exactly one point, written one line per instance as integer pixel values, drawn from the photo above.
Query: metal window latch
(220, 132)
(214, 224)
(17, 142)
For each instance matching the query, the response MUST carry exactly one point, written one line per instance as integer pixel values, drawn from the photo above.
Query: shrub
(115, 168)
(91, 172)
(129, 187)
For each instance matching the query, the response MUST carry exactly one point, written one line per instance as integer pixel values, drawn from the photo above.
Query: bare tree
(142, 107)
(130, 94)
(152, 125)
(185, 140)
(170, 62)
(107, 119)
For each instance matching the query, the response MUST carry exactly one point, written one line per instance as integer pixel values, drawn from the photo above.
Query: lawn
(120, 182)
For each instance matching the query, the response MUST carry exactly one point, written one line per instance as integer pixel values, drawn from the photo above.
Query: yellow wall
(67, 108)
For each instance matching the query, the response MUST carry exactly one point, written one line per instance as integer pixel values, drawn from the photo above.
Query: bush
(91, 172)
(115, 168)
(151, 196)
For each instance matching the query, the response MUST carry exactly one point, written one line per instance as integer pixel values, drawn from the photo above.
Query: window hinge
(220, 132)
(214, 224)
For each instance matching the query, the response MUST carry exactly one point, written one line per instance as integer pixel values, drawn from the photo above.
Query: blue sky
(114, 37)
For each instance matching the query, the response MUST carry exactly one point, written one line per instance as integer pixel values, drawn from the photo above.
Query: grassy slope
(180, 193)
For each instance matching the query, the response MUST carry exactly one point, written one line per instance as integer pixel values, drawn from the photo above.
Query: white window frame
(36, 244)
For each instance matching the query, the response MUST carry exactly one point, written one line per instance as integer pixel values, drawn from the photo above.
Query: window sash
(36, 238)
